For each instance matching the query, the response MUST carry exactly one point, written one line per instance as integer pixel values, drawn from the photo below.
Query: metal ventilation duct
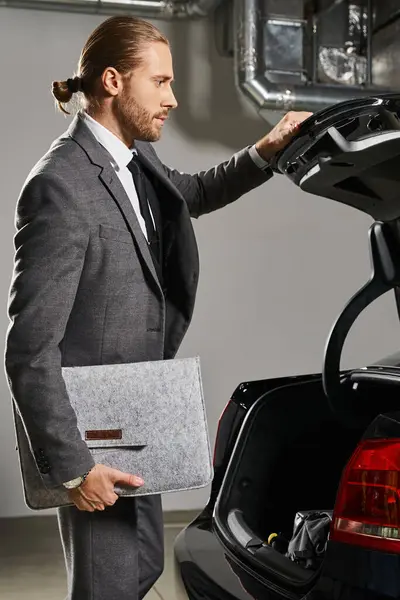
(288, 54)
(271, 63)
(151, 9)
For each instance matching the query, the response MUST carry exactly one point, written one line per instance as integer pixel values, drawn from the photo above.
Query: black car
(305, 501)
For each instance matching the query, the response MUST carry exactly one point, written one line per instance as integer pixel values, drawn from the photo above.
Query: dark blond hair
(117, 42)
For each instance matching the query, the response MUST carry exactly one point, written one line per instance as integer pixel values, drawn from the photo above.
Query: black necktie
(140, 185)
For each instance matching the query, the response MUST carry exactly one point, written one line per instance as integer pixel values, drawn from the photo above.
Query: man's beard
(136, 121)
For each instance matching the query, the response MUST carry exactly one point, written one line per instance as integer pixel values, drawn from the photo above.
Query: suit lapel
(117, 191)
(100, 157)
(147, 159)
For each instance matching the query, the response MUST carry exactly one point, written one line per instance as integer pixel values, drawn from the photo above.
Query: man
(106, 271)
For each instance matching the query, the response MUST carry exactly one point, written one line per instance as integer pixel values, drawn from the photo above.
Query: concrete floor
(32, 562)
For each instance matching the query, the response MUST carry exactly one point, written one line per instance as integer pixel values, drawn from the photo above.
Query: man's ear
(112, 81)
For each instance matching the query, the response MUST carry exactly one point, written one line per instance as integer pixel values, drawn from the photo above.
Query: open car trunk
(289, 458)
(297, 439)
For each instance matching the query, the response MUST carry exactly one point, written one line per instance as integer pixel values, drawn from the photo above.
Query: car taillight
(367, 509)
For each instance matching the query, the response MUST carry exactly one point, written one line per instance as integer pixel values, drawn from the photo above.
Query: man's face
(147, 97)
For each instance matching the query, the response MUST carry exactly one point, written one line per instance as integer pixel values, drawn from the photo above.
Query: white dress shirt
(257, 159)
(122, 156)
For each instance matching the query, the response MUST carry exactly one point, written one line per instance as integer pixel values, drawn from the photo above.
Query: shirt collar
(121, 154)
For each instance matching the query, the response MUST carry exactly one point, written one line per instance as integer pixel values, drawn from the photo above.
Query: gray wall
(276, 267)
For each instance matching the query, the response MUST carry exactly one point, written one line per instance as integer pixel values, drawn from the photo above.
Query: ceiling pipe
(249, 20)
(151, 9)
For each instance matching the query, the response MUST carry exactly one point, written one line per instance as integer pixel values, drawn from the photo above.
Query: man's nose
(171, 101)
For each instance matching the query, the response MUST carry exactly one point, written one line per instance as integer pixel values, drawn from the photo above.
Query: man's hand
(281, 134)
(97, 491)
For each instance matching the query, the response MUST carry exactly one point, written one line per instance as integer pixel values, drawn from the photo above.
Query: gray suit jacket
(84, 289)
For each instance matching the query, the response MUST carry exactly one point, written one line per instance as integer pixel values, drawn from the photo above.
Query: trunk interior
(289, 458)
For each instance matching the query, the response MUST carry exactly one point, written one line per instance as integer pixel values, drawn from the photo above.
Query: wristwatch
(77, 482)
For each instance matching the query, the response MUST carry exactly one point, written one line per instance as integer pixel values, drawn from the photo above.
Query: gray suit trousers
(115, 554)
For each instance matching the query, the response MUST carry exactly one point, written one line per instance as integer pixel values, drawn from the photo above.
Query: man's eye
(159, 82)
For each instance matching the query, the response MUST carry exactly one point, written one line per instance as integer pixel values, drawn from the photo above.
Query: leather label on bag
(103, 434)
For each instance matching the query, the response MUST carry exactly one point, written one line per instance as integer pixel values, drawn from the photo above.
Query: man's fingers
(89, 505)
(96, 504)
(83, 505)
(296, 117)
(111, 500)
(126, 478)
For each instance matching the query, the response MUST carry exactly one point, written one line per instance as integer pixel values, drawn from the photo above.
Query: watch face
(73, 483)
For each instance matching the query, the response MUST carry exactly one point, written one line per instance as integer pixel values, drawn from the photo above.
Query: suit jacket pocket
(115, 234)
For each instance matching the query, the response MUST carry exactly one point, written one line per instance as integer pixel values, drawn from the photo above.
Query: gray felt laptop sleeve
(145, 418)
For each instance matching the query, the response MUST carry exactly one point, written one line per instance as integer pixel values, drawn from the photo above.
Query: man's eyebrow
(165, 77)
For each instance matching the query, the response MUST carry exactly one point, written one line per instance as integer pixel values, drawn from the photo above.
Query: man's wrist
(266, 149)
